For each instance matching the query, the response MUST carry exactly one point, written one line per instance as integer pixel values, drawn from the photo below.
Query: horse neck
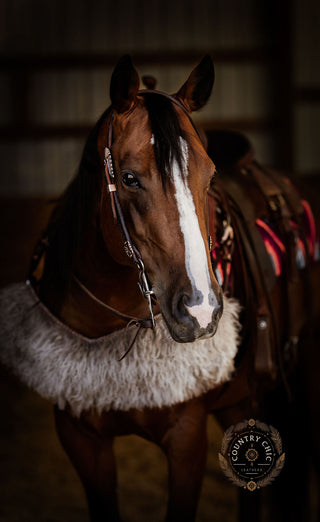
(111, 282)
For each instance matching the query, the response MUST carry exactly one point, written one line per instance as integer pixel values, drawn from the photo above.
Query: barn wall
(306, 107)
(57, 58)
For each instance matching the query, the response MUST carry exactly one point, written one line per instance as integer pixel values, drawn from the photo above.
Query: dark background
(57, 57)
(55, 66)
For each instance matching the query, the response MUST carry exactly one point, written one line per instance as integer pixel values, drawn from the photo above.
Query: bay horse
(125, 267)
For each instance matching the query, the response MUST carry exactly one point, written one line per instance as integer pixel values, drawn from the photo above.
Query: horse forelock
(166, 134)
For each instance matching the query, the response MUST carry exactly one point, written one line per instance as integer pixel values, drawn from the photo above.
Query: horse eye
(130, 180)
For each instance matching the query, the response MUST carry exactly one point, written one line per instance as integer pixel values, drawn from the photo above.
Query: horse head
(161, 174)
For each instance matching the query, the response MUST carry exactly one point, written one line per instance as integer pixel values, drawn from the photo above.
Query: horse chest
(87, 374)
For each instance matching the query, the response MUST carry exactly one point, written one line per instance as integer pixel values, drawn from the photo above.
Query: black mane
(167, 131)
(73, 210)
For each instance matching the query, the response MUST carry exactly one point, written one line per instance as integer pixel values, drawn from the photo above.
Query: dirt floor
(37, 482)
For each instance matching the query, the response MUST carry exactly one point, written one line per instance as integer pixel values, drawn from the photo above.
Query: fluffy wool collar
(86, 374)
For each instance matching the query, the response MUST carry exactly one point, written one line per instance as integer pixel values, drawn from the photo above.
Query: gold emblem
(251, 454)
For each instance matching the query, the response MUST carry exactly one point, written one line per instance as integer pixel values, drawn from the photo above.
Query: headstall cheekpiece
(129, 248)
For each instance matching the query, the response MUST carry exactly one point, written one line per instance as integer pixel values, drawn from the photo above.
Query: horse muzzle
(189, 318)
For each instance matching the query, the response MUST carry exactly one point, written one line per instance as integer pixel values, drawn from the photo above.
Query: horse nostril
(180, 307)
(182, 304)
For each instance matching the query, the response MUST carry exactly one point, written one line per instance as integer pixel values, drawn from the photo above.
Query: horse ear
(197, 89)
(124, 85)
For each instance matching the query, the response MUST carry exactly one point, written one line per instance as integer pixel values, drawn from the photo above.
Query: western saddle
(262, 242)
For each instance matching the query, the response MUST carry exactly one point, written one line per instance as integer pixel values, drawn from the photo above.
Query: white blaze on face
(195, 252)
